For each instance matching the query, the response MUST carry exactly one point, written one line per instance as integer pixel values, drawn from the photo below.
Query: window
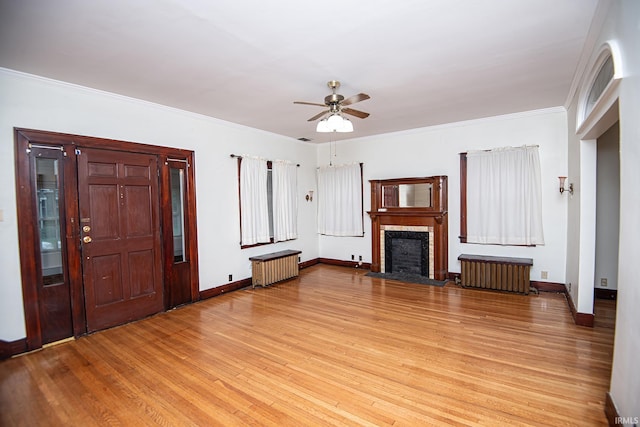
(177, 182)
(599, 92)
(47, 190)
(340, 211)
(604, 76)
(268, 201)
(501, 197)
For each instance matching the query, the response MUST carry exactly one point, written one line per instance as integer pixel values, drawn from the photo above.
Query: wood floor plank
(331, 347)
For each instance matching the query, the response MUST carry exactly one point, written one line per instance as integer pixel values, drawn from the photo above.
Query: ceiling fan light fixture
(334, 121)
(346, 126)
(323, 126)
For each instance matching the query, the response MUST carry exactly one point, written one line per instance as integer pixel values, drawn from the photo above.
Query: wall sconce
(562, 189)
(309, 196)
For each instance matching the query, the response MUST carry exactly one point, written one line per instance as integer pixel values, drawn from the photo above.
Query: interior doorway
(97, 239)
(607, 213)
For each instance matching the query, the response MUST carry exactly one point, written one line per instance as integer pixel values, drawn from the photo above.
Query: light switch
(1, 215)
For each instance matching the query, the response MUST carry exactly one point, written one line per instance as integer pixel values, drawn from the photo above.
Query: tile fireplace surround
(416, 229)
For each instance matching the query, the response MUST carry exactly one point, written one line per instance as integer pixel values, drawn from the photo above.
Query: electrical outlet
(353, 257)
(569, 287)
(359, 257)
(230, 277)
(603, 282)
(544, 274)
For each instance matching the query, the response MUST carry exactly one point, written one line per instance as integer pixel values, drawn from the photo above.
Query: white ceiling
(423, 62)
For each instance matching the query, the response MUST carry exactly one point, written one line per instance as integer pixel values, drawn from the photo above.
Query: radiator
(274, 267)
(499, 273)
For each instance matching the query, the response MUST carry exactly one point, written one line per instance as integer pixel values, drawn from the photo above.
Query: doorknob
(86, 239)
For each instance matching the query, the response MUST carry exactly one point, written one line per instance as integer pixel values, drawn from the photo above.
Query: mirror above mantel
(409, 194)
(418, 195)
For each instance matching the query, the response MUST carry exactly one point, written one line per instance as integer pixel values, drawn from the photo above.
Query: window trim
(586, 120)
(463, 198)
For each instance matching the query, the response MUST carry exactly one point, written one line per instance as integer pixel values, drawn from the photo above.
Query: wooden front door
(120, 235)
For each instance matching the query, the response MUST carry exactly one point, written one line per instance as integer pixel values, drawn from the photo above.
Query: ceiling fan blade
(317, 116)
(357, 113)
(309, 103)
(355, 98)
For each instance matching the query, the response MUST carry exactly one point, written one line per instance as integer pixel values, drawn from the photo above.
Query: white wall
(625, 377)
(434, 151)
(36, 103)
(621, 27)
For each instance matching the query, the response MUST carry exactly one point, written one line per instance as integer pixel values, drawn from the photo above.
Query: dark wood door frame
(28, 233)
(177, 274)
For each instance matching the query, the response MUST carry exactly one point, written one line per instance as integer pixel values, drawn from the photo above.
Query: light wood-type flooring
(332, 347)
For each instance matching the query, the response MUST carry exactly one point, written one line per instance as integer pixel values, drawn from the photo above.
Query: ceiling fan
(337, 104)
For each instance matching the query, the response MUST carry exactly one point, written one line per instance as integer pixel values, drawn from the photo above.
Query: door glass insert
(177, 213)
(47, 189)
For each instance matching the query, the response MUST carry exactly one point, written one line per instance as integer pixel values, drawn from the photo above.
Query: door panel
(119, 218)
(104, 198)
(107, 270)
(140, 276)
(138, 221)
(53, 284)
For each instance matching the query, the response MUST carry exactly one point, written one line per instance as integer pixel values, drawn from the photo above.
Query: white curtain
(340, 200)
(254, 218)
(504, 197)
(285, 200)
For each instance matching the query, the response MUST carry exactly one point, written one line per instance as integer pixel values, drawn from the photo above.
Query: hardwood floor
(332, 347)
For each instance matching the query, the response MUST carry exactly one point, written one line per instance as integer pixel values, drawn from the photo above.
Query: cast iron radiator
(274, 267)
(499, 273)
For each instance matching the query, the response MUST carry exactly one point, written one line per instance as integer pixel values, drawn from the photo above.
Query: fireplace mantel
(389, 211)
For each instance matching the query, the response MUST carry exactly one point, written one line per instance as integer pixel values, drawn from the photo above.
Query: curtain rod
(360, 163)
(240, 157)
(498, 148)
(46, 147)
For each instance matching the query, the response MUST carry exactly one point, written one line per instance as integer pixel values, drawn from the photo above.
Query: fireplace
(407, 250)
(408, 237)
